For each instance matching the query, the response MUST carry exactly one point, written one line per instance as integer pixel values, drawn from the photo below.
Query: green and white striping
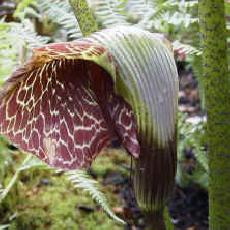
(147, 78)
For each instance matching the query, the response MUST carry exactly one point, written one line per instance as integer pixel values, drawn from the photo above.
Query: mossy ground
(43, 199)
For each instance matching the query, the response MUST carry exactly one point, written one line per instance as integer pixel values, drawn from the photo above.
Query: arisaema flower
(71, 99)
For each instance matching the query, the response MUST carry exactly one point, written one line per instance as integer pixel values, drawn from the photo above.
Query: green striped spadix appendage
(71, 99)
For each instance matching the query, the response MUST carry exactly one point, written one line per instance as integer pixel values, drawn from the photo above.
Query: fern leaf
(25, 34)
(28, 163)
(138, 7)
(190, 136)
(108, 13)
(1, 189)
(59, 11)
(188, 49)
(5, 226)
(16, 38)
(80, 179)
(22, 5)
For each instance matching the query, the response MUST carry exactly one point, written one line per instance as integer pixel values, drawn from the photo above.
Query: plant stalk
(13, 179)
(84, 16)
(154, 221)
(217, 98)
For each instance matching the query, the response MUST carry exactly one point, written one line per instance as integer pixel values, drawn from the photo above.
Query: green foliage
(55, 17)
(5, 226)
(188, 49)
(109, 13)
(53, 205)
(191, 137)
(28, 163)
(78, 178)
(81, 180)
(5, 159)
(176, 19)
(7, 54)
(16, 39)
(59, 11)
(22, 7)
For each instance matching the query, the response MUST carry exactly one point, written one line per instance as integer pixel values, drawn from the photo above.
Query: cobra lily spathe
(71, 99)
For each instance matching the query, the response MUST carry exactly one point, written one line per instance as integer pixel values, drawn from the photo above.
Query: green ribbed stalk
(84, 16)
(217, 96)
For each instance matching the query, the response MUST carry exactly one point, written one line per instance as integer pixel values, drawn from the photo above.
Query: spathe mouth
(65, 111)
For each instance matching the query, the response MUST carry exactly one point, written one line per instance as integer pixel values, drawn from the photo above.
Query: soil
(188, 207)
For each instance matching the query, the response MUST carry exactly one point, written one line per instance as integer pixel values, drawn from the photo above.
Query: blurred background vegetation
(33, 196)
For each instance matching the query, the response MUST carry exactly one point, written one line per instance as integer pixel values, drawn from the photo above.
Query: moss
(54, 204)
(110, 161)
(55, 207)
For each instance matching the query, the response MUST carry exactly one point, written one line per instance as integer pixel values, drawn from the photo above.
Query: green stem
(157, 221)
(9, 186)
(168, 223)
(217, 98)
(84, 16)
(13, 179)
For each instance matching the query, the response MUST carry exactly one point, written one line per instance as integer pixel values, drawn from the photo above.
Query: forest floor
(43, 199)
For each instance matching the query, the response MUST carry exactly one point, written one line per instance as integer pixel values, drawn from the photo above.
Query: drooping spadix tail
(153, 175)
(71, 99)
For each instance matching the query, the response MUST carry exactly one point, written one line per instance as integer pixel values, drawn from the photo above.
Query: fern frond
(190, 4)
(24, 33)
(155, 16)
(80, 179)
(32, 162)
(17, 33)
(139, 7)
(28, 163)
(5, 226)
(162, 13)
(152, 19)
(59, 11)
(188, 49)
(195, 134)
(1, 189)
(191, 135)
(15, 40)
(180, 19)
(108, 13)
(22, 5)
(7, 53)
